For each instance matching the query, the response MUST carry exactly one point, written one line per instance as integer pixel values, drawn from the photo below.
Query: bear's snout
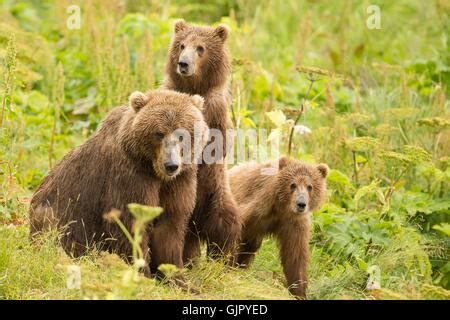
(183, 66)
(171, 167)
(186, 62)
(301, 203)
(301, 206)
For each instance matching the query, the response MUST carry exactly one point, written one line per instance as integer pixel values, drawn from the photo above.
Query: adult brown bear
(198, 63)
(135, 157)
(279, 204)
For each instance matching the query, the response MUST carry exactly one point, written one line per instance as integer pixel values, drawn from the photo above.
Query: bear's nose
(301, 206)
(183, 66)
(171, 167)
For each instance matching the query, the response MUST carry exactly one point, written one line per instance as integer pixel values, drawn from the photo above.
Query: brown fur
(268, 204)
(119, 165)
(215, 219)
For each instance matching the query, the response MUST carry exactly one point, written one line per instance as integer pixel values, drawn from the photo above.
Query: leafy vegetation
(377, 113)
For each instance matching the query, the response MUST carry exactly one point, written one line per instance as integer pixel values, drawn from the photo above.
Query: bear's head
(301, 187)
(198, 55)
(164, 129)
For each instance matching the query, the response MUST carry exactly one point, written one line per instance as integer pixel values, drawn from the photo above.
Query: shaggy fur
(118, 165)
(269, 206)
(215, 219)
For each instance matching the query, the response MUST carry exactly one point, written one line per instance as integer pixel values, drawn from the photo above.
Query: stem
(391, 189)
(302, 108)
(5, 97)
(355, 167)
(238, 116)
(124, 230)
(52, 143)
(233, 114)
(405, 138)
(436, 144)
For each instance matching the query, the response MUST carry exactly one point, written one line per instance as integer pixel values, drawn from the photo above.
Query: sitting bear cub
(279, 203)
(135, 157)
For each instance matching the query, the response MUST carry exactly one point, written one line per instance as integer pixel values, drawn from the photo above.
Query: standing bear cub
(135, 157)
(198, 63)
(279, 204)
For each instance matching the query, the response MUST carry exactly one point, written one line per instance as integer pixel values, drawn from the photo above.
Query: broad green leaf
(337, 177)
(443, 227)
(365, 190)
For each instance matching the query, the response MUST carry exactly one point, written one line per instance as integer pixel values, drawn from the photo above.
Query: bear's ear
(323, 169)
(283, 162)
(222, 32)
(180, 25)
(138, 100)
(198, 101)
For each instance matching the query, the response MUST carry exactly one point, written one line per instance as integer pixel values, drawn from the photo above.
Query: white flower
(301, 129)
(140, 263)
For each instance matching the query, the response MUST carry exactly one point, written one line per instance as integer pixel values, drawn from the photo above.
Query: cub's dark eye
(293, 186)
(182, 46)
(309, 188)
(180, 138)
(200, 50)
(159, 135)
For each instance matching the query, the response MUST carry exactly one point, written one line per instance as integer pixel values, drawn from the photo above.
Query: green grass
(383, 129)
(40, 272)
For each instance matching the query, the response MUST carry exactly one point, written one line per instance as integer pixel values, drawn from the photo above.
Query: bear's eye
(180, 138)
(309, 187)
(159, 135)
(182, 46)
(200, 50)
(293, 186)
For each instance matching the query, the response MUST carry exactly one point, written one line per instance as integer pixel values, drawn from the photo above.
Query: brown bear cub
(135, 157)
(279, 203)
(198, 63)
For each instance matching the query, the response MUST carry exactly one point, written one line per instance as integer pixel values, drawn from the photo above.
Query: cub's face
(169, 130)
(195, 50)
(302, 187)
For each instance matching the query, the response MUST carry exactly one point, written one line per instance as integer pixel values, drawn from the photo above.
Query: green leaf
(443, 227)
(361, 264)
(337, 177)
(365, 190)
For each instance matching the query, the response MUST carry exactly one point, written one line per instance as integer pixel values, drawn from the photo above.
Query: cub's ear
(198, 101)
(180, 25)
(283, 162)
(138, 100)
(323, 169)
(222, 32)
